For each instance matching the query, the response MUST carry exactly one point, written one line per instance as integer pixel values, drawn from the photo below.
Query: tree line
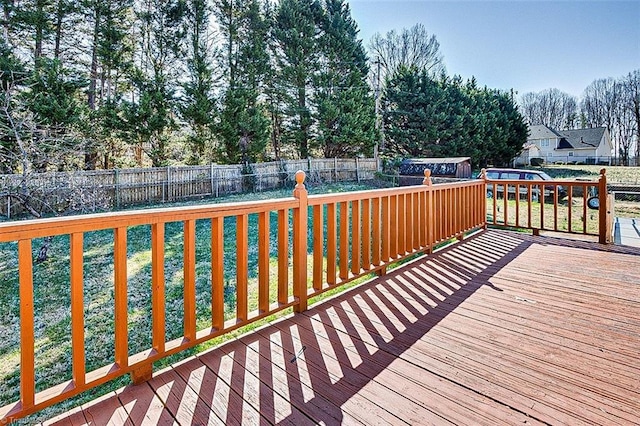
(613, 103)
(113, 83)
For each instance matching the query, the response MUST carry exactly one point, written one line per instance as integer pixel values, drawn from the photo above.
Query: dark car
(527, 175)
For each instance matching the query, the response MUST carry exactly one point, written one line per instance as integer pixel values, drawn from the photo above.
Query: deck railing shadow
(311, 367)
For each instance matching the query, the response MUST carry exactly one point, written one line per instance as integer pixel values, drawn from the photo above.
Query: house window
(570, 154)
(544, 143)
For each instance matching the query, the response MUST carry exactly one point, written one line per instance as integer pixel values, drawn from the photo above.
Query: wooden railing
(557, 205)
(365, 232)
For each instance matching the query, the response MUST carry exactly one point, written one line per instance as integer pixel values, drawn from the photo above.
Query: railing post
(429, 221)
(300, 244)
(604, 208)
(483, 176)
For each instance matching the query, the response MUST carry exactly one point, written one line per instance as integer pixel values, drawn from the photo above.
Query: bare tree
(552, 108)
(413, 47)
(631, 87)
(599, 102)
(600, 105)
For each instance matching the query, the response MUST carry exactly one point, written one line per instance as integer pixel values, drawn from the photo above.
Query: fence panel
(105, 189)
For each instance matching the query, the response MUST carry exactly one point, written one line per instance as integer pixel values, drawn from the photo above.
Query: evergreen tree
(150, 116)
(111, 53)
(413, 117)
(344, 105)
(198, 104)
(244, 125)
(444, 118)
(296, 32)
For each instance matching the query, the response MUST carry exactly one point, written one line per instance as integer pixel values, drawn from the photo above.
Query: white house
(589, 146)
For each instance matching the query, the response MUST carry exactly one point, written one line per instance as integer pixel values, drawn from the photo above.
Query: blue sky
(524, 45)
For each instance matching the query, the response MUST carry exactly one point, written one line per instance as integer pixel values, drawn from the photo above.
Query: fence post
(357, 170)
(300, 244)
(603, 210)
(169, 197)
(335, 168)
(483, 176)
(116, 186)
(211, 177)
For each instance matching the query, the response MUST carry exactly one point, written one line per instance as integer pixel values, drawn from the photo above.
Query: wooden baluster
(157, 287)
(263, 262)
(377, 244)
(77, 309)
(27, 339)
(366, 234)
(332, 246)
(283, 256)
(393, 228)
(401, 226)
(217, 273)
(344, 240)
(189, 254)
(517, 205)
(416, 223)
(355, 237)
(242, 265)
(529, 204)
(541, 200)
(585, 196)
(570, 208)
(555, 207)
(318, 255)
(386, 231)
(120, 283)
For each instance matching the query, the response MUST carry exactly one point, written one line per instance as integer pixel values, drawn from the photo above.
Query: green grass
(52, 297)
(615, 174)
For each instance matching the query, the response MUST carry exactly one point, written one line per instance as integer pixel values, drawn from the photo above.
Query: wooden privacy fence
(559, 206)
(105, 189)
(336, 238)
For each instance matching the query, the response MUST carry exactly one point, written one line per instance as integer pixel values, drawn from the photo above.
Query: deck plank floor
(503, 328)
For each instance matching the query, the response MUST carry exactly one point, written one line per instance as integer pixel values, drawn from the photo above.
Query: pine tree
(197, 106)
(296, 32)
(150, 116)
(244, 125)
(344, 105)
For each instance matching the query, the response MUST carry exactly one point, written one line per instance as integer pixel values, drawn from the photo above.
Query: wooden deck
(502, 328)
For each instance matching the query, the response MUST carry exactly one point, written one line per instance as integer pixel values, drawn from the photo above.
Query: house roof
(569, 139)
(581, 138)
(542, 132)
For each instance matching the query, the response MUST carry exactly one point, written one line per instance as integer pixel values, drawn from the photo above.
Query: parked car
(528, 175)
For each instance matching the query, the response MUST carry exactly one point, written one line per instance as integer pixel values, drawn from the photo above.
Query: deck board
(503, 328)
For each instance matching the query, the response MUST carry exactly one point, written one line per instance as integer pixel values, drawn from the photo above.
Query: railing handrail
(37, 228)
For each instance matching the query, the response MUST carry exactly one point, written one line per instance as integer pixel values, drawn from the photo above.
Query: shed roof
(445, 160)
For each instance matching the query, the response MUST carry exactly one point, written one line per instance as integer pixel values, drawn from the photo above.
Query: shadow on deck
(502, 328)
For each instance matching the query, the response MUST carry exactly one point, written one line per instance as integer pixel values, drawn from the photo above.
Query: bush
(537, 161)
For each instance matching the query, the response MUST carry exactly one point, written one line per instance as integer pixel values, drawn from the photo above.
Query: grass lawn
(551, 218)
(52, 297)
(615, 174)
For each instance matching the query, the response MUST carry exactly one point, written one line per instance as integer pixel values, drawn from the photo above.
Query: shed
(452, 167)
